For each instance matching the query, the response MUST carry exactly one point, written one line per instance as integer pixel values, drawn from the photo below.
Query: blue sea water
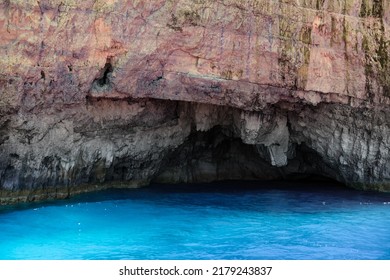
(230, 220)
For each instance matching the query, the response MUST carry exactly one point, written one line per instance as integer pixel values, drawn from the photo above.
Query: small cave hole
(105, 76)
(70, 68)
(43, 76)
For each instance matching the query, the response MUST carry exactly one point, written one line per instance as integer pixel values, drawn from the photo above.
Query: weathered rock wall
(239, 53)
(95, 92)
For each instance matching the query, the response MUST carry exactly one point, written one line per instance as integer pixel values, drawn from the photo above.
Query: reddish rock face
(221, 52)
(80, 80)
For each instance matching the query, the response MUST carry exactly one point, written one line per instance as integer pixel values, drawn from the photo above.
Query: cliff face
(97, 93)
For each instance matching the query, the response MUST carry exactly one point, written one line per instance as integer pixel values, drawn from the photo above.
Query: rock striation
(121, 93)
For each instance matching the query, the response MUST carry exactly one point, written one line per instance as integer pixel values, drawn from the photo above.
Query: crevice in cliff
(103, 81)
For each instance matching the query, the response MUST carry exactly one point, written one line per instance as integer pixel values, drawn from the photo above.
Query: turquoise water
(235, 220)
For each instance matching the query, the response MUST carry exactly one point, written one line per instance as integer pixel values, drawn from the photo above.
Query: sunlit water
(237, 220)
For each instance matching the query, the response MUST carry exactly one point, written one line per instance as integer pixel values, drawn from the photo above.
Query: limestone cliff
(105, 93)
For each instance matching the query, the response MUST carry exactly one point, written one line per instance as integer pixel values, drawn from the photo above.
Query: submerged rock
(112, 93)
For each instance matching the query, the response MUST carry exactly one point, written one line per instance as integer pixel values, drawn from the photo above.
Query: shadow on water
(316, 194)
(225, 220)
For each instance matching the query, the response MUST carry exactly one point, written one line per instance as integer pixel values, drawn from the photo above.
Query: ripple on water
(237, 220)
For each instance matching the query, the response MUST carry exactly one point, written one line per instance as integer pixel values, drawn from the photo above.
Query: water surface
(231, 220)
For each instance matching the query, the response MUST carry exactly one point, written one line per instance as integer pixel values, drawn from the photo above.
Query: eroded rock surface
(97, 93)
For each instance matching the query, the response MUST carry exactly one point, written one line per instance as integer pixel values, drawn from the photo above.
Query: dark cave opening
(104, 80)
(218, 155)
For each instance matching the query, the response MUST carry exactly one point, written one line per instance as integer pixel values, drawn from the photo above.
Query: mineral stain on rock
(121, 93)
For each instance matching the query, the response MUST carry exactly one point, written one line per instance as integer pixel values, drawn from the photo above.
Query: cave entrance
(218, 155)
